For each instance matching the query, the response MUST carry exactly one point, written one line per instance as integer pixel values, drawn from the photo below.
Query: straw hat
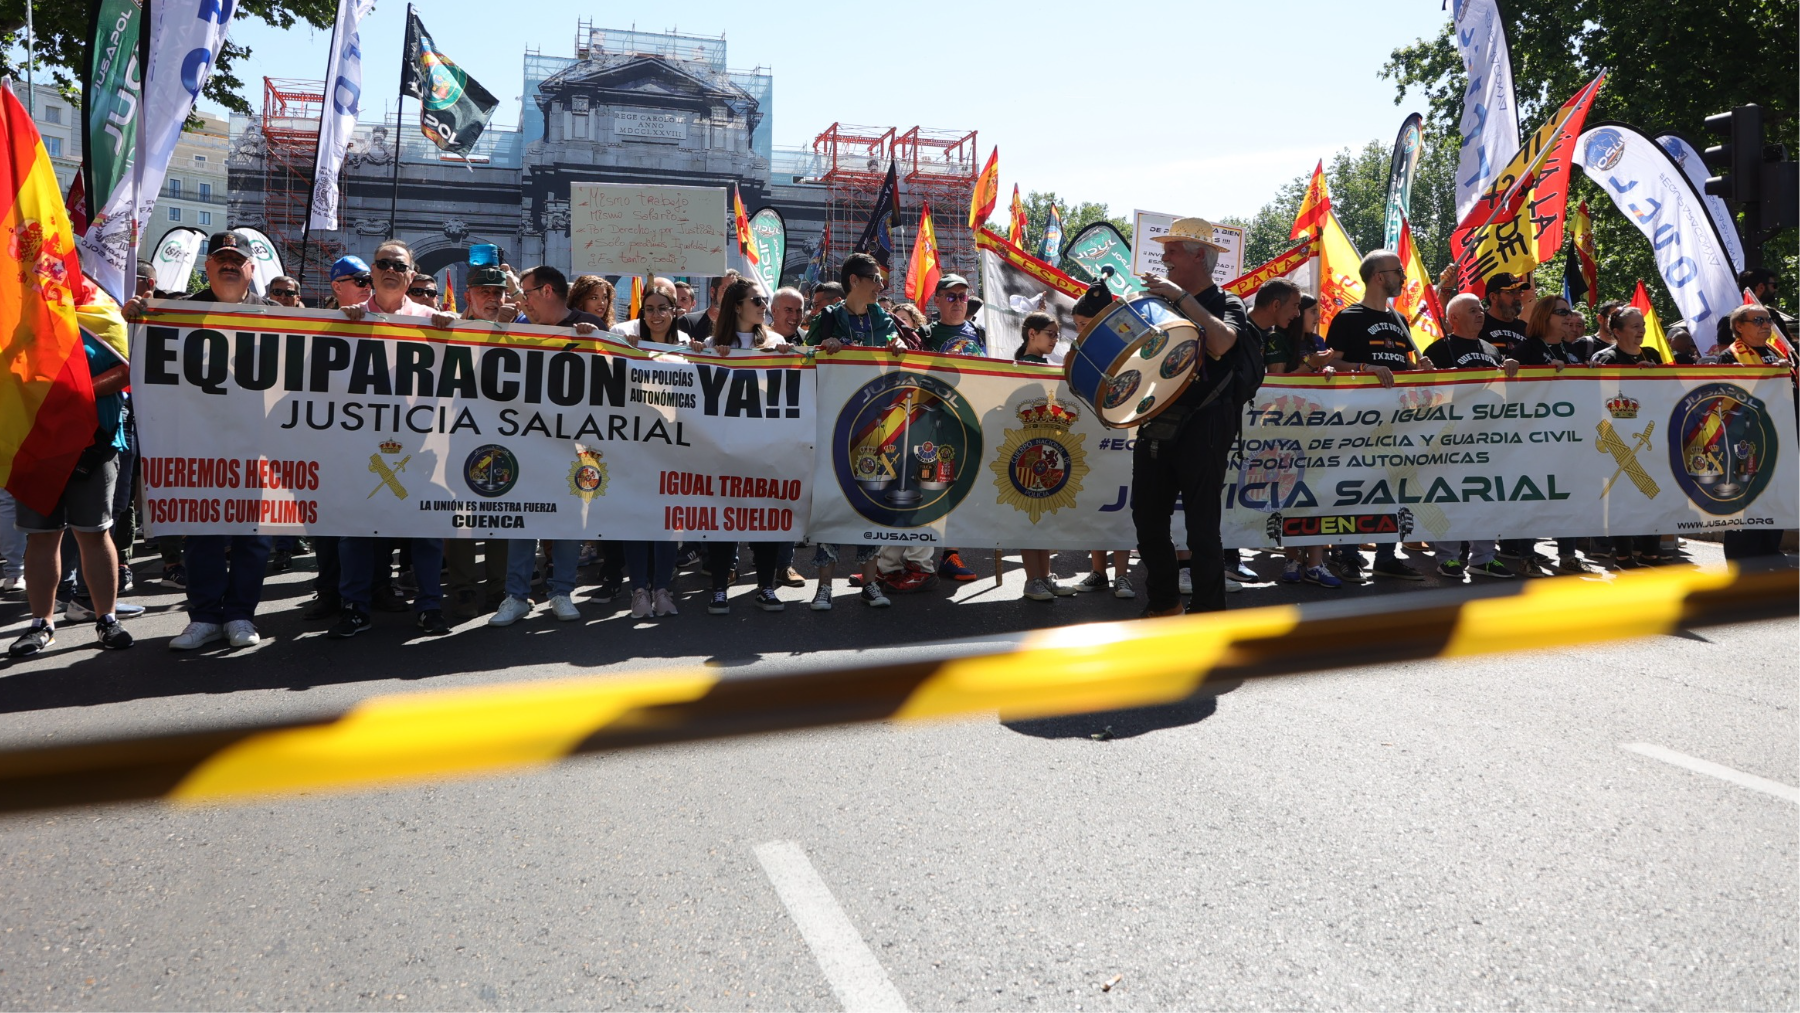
(1191, 230)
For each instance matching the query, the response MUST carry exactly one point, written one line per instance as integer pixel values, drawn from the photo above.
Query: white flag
(1490, 119)
(1652, 191)
(1695, 169)
(184, 42)
(343, 72)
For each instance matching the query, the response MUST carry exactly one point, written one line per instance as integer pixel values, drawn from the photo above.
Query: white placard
(1146, 256)
(1231, 262)
(628, 228)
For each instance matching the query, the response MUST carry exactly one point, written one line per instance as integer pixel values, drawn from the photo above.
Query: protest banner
(1462, 454)
(924, 449)
(276, 421)
(1146, 253)
(631, 228)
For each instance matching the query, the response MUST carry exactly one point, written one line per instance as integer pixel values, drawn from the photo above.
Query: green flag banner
(1097, 246)
(112, 93)
(453, 107)
(769, 231)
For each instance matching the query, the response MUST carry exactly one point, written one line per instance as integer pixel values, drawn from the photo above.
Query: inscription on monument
(652, 125)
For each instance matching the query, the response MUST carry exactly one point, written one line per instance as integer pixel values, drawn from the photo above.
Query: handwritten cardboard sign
(628, 228)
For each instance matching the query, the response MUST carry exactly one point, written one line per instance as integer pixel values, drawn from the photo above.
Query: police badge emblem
(587, 476)
(1040, 467)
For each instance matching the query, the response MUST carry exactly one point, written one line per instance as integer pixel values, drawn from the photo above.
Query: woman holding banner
(591, 293)
(1548, 332)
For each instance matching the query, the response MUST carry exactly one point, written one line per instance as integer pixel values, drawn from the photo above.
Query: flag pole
(399, 108)
(312, 187)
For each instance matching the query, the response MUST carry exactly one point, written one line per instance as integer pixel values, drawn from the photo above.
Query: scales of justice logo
(1040, 467)
(903, 446)
(1722, 447)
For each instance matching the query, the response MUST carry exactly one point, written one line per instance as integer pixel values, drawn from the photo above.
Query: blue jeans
(521, 554)
(356, 571)
(221, 589)
(652, 564)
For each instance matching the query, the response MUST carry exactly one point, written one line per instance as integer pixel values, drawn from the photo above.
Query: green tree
(1669, 66)
(63, 35)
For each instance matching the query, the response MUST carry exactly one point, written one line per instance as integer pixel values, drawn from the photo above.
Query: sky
(1189, 108)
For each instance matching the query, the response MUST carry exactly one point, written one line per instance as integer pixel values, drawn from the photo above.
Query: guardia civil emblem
(389, 474)
(587, 476)
(1721, 447)
(1040, 466)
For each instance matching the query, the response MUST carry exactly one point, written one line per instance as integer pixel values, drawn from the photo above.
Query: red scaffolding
(933, 165)
(290, 129)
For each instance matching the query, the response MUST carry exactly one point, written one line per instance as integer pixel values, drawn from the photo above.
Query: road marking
(854, 973)
(1723, 773)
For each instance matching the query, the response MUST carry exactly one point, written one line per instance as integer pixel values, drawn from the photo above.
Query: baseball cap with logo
(222, 242)
(1504, 282)
(349, 267)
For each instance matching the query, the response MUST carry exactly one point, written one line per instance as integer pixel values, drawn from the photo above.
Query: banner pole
(399, 109)
(312, 183)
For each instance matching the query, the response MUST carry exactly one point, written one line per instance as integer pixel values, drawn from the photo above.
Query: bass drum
(1133, 361)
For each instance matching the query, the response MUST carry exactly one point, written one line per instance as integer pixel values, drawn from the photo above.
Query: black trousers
(1192, 466)
(722, 556)
(1750, 544)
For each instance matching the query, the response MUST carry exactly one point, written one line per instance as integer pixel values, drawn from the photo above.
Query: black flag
(453, 107)
(877, 239)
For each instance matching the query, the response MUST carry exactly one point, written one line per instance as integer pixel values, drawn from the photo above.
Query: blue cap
(348, 267)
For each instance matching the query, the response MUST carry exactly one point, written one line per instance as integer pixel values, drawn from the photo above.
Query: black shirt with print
(1613, 355)
(1538, 352)
(1463, 353)
(1371, 337)
(1504, 335)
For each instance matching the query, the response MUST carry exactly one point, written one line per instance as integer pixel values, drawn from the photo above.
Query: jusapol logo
(1605, 148)
(1722, 447)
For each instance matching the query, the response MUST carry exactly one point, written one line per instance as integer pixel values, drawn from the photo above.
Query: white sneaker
(1037, 590)
(822, 597)
(1185, 578)
(1232, 586)
(640, 603)
(1122, 588)
(77, 612)
(197, 635)
(564, 608)
(664, 602)
(510, 611)
(242, 633)
(10, 584)
(1059, 590)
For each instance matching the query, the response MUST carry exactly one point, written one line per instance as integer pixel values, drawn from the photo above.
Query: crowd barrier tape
(506, 728)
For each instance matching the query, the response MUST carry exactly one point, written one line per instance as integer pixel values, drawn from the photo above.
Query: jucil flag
(343, 72)
(453, 107)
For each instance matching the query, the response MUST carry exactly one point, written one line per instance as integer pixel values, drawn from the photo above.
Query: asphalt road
(1466, 834)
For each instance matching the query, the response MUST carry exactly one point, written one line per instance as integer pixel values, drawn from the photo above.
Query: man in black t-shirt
(1184, 450)
(1454, 352)
(1374, 339)
(1502, 326)
(1463, 347)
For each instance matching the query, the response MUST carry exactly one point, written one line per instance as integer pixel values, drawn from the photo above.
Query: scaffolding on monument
(290, 130)
(933, 165)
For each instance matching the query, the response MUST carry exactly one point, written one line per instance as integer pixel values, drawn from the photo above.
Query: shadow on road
(1103, 726)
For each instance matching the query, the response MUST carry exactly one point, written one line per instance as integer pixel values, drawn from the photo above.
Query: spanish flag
(46, 394)
(987, 191)
(1315, 207)
(1019, 220)
(923, 272)
(1653, 328)
(1417, 301)
(1340, 279)
(1581, 227)
(746, 243)
(637, 296)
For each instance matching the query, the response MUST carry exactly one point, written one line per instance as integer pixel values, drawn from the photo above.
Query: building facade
(196, 189)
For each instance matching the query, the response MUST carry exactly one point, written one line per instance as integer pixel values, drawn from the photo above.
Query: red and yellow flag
(1340, 276)
(449, 291)
(1315, 207)
(1581, 228)
(1417, 301)
(637, 296)
(746, 242)
(1020, 221)
(923, 272)
(987, 191)
(1653, 329)
(46, 394)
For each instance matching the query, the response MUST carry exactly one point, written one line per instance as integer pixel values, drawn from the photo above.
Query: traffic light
(1738, 161)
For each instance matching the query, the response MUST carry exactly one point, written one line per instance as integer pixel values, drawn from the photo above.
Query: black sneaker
(350, 622)
(1350, 565)
(432, 622)
(126, 580)
(111, 634)
(281, 561)
(1396, 569)
(389, 600)
(175, 576)
(33, 641)
(323, 607)
(717, 605)
(1455, 569)
(606, 592)
(768, 601)
(1493, 568)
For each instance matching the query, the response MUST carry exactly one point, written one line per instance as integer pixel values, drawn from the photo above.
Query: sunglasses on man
(422, 293)
(955, 296)
(396, 266)
(359, 280)
(282, 293)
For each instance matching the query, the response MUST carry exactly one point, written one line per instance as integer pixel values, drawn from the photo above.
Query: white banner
(922, 449)
(1456, 455)
(1146, 253)
(1694, 168)
(1490, 119)
(278, 421)
(343, 74)
(1652, 191)
(265, 263)
(175, 257)
(184, 40)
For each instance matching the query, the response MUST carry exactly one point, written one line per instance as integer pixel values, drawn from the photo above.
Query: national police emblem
(587, 476)
(1040, 466)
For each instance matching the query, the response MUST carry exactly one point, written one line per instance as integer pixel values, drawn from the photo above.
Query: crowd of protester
(78, 559)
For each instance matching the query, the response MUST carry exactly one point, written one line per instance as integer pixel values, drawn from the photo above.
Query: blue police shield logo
(1604, 149)
(491, 471)
(1721, 447)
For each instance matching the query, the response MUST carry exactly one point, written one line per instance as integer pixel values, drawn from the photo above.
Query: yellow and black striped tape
(451, 734)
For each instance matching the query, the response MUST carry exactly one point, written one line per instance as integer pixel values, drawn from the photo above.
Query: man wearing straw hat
(1184, 450)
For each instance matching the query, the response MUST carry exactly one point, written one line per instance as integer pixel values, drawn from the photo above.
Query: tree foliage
(1669, 66)
(62, 37)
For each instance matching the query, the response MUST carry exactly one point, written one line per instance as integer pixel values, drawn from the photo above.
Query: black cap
(1504, 282)
(1097, 298)
(227, 241)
